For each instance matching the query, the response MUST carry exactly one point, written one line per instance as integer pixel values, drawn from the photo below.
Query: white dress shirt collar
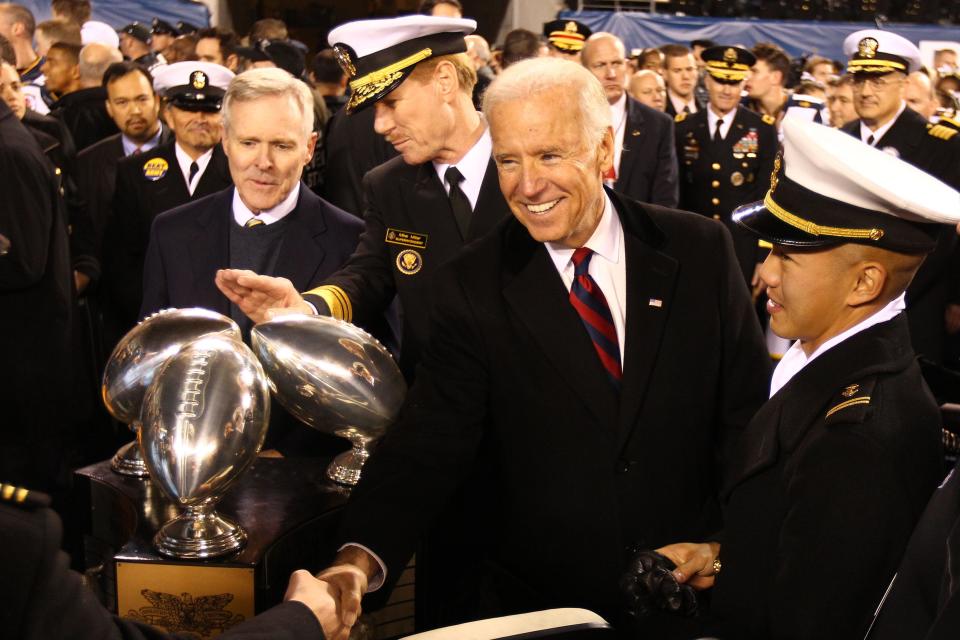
(712, 119)
(185, 161)
(129, 146)
(473, 166)
(242, 213)
(866, 132)
(618, 119)
(795, 359)
(679, 104)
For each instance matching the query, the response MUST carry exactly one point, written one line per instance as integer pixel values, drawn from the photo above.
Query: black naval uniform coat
(142, 193)
(716, 178)
(351, 149)
(829, 480)
(97, 176)
(85, 114)
(510, 386)
(188, 244)
(36, 299)
(409, 232)
(44, 600)
(935, 150)
(648, 163)
(924, 600)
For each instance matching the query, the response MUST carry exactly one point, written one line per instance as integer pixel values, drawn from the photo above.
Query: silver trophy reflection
(204, 419)
(334, 377)
(136, 359)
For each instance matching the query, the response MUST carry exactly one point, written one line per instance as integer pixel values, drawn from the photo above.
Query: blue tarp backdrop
(118, 13)
(797, 37)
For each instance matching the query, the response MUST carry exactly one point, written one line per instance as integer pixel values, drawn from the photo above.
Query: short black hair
(118, 70)
(518, 45)
(228, 39)
(325, 67)
(706, 44)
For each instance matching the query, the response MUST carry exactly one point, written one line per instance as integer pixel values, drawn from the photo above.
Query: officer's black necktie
(716, 134)
(458, 200)
(870, 140)
(194, 168)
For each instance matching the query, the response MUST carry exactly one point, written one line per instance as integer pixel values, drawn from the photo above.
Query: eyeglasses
(877, 83)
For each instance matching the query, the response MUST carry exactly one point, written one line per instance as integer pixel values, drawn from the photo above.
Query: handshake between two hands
(334, 595)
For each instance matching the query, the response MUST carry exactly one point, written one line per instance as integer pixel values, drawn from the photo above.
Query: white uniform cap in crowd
(193, 85)
(377, 55)
(878, 51)
(99, 32)
(830, 188)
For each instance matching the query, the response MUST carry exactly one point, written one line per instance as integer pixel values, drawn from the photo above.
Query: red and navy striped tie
(587, 298)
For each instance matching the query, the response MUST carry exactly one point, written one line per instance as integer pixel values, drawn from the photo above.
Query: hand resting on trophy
(261, 298)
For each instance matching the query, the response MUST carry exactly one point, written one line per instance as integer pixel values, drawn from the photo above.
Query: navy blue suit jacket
(190, 243)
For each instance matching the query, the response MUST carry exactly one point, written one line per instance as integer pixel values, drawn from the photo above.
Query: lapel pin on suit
(654, 302)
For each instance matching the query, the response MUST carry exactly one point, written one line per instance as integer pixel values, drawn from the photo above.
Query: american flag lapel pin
(654, 302)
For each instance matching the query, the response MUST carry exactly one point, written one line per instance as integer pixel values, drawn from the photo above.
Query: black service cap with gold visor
(567, 36)
(829, 188)
(875, 51)
(377, 55)
(728, 64)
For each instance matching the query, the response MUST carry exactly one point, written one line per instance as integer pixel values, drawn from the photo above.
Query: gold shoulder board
(942, 132)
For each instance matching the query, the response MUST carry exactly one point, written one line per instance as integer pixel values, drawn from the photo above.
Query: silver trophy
(136, 359)
(334, 377)
(204, 419)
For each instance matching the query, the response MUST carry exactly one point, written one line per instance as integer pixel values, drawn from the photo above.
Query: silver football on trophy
(203, 422)
(336, 378)
(136, 359)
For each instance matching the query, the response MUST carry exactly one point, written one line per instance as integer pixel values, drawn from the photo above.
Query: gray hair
(535, 76)
(93, 61)
(265, 82)
(479, 45)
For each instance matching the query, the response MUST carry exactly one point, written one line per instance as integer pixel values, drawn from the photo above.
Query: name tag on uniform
(406, 238)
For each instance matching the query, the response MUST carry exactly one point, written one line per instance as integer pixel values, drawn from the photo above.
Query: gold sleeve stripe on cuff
(815, 229)
(336, 299)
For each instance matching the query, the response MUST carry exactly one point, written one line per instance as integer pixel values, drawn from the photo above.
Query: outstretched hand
(260, 298)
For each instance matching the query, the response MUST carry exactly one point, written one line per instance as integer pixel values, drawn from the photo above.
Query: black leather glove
(649, 586)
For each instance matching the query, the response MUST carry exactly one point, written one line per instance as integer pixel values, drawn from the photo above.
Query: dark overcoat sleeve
(666, 185)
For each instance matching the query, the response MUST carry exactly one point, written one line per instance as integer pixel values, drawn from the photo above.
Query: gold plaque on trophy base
(198, 599)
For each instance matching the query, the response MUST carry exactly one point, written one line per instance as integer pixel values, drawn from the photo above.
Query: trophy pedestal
(128, 461)
(286, 506)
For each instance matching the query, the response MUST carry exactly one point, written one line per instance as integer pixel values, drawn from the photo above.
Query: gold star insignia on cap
(730, 56)
(571, 27)
(344, 59)
(868, 48)
(198, 79)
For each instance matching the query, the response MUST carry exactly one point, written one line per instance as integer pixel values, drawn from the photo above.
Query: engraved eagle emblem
(199, 615)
